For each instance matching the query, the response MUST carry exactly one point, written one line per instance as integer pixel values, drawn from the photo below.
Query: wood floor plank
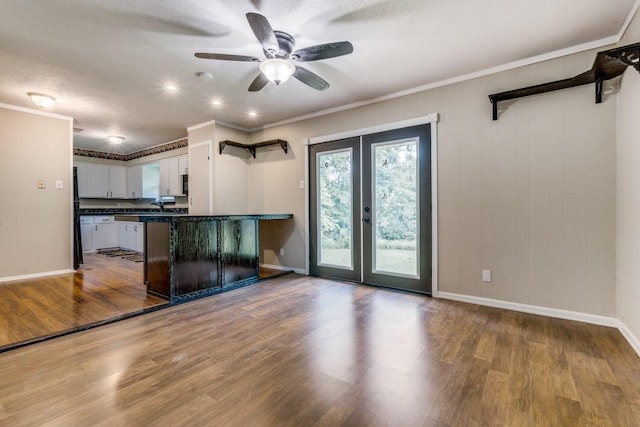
(103, 288)
(300, 351)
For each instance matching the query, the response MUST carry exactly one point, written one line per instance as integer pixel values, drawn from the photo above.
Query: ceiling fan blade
(225, 57)
(310, 78)
(263, 31)
(258, 83)
(322, 51)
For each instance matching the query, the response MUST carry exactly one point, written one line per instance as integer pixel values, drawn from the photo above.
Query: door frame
(431, 119)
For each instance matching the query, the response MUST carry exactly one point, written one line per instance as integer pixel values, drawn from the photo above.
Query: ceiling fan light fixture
(277, 70)
(116, 140)
(41, 100)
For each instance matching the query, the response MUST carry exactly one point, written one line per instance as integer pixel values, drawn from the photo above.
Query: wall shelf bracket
(608, 64)
(252, 147)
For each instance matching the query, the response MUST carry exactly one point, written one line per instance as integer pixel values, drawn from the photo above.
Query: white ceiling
(106, 61)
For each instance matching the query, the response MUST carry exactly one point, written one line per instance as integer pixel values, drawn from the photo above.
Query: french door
(370, 209)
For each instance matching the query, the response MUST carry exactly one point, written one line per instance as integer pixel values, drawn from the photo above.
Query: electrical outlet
(41, 184)
(486, 275)
(281, 251)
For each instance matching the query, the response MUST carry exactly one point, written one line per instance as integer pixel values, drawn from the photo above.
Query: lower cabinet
(86, 233)
(130, 235)
(100, 232)
(97, 232)
(104, 234)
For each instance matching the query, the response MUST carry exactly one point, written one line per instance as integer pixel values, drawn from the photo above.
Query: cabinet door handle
(96, 228)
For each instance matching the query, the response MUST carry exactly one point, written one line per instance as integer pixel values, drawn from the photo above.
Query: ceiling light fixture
(252, 113)
(116, 139)
(277, 70)
(41, 100)
(216, 102)
(170, 87)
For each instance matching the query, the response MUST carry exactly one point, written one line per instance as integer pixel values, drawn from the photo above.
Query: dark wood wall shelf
(607, 65)
(252, 147)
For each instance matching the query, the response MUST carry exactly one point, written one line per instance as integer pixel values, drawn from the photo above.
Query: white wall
(230, 173)
(628, 196)
(35, 224)
(530, 196)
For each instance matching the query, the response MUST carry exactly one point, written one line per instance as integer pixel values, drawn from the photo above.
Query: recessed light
(171, 87)
(115, 139)
(41, 100)
(252, 113)
(216, 102)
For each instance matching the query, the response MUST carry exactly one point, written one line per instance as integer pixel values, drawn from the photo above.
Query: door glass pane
(395, 208)
(335, 210)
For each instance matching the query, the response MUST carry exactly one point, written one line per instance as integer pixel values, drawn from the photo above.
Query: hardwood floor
(103, 288)
(302, 351)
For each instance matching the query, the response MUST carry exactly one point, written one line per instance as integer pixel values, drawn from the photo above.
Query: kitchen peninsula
(190, 256)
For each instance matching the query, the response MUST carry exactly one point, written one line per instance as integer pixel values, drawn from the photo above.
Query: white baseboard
(534, 309)
(35, 275)
(630, 337)
(550, 312)
(285, 268)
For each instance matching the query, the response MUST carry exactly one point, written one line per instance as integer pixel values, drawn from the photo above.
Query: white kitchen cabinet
(122, 235)
(86, 233)
(170, 179)
(104, 232)
(183, 164)
(100, 181)
(83, 180)
(118, 182)
(130, 235)
(134, 182)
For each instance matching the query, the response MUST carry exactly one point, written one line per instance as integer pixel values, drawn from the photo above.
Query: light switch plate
(59, 184)
(486, 275)
(302, 185)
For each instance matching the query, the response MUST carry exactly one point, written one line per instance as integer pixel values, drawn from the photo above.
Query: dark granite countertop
(117, 211)
(176, 217)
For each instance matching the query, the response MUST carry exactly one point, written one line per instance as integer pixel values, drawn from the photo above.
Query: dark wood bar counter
(189, 256)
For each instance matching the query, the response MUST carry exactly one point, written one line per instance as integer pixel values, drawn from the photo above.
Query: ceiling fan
(278, 49)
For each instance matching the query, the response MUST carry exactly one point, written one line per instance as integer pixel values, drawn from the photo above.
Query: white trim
(627, 22)
(201, 125)
(429, 118)
(37, 112)
(234, 126)
(197, 144)
(593, 319)
(284, 268)
(36, 275)
(72, 216)
(469, 76)
(534, 309)
(434, 207)
(630, 337)
(307, 249)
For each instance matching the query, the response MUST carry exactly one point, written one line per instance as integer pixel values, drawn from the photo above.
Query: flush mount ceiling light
(41, 100)
(116, 139)
(277, 70)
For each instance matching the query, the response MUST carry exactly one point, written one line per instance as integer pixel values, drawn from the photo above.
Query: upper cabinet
(134, 182)
(183, 164)
(101, 181)
(171, 171)
(150, 180)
